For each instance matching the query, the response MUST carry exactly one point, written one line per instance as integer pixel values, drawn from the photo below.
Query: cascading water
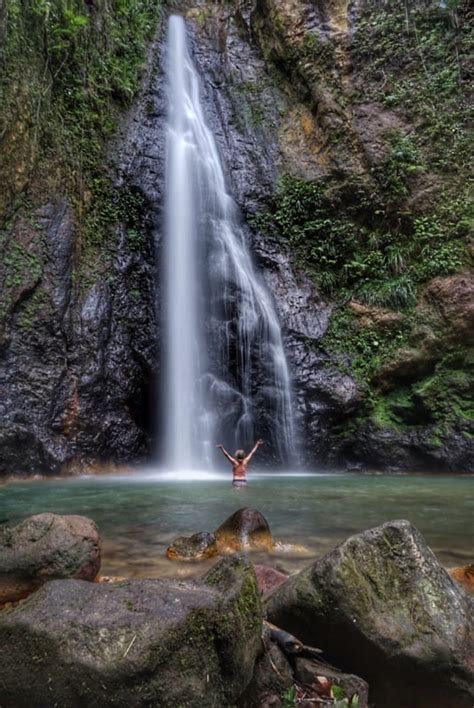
(227, 378)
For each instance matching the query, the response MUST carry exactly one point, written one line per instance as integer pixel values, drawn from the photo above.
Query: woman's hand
(221, 447)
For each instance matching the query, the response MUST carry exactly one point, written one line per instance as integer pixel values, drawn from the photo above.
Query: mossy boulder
(46, 547)
(246, 530)
(134, 643)
(382, 607)
(193, 548)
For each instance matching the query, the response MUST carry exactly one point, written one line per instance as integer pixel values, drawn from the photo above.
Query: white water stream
(227, 378)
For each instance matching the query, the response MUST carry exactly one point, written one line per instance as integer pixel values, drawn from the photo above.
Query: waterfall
(226, 374)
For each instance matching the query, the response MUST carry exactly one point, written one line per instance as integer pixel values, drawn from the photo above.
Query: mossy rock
(382, 607)
(133, 643)
(46, 547)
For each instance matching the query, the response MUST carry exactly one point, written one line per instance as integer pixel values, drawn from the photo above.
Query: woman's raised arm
(229, 457)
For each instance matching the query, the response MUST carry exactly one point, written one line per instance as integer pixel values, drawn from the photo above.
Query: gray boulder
(46, 547)
(133, 643)
(381, 606)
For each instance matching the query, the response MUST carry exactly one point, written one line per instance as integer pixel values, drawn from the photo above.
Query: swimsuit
(239, 483)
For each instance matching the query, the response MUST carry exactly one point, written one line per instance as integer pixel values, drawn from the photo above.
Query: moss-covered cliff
(382, 220)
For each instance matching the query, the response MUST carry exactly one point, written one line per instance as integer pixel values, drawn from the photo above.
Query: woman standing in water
(239, 463)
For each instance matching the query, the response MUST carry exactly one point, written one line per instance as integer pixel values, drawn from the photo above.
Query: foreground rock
(46, 547)
(135, 643)
(381, 606)
(247, 529)
(193, 548)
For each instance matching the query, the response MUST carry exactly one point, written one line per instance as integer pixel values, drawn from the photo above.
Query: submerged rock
(246, 529)
(46, 547)
(135, 643)
(193, 548)
(380, 605)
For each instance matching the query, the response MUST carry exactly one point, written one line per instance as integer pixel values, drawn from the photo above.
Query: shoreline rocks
(464, 575)
(46, 547)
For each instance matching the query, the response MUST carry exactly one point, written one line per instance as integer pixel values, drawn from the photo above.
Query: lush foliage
(416, 56)
(66, 69)
(346, 239)
(377, 235)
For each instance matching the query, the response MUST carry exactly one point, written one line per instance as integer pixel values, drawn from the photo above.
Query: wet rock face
(374, 447)
(132, 643)
(46, 547)
(380, 605)
(77, 348)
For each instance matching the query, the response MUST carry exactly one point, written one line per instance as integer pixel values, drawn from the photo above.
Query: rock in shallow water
(193, 548)
(46, 547)
(135, 643)
(246, 529)
(381, 606)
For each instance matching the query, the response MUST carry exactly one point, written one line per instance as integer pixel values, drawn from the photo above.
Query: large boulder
(193, 548)
(246, 530)
(381, 606)
(135, 643)
(46, 547)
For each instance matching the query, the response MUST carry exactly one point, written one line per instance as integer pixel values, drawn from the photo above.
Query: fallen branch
(288, 643)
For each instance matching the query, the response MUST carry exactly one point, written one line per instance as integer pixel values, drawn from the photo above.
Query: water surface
(139, 514)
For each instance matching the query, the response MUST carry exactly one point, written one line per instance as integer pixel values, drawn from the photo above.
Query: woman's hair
(239, 454)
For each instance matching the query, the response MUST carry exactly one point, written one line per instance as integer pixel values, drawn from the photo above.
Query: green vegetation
(72, 66)
(368, 348)
(376, 232)
(67, 70)
(416, 57)
(289, 698)
(345, 236)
